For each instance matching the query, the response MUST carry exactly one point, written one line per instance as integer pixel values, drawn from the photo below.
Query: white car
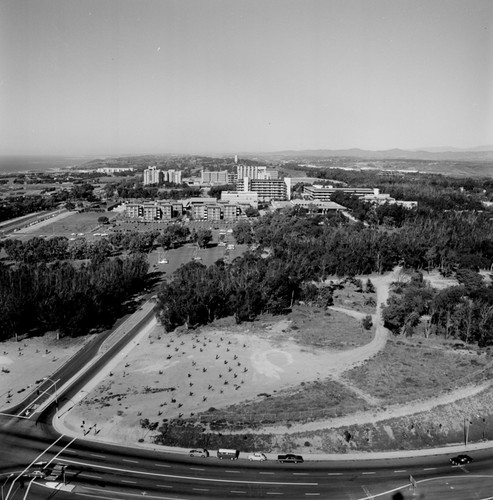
(260, 457)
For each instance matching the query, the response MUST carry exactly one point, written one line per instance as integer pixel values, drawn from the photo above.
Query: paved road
(105, 471)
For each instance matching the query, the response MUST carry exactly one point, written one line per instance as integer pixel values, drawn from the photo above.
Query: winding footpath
(355, 357)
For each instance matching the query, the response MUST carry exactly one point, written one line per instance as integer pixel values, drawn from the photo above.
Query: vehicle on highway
(231, 454)
(199, 452)
(290, 458)
(461, 460)
(260, 457)
(37, 474)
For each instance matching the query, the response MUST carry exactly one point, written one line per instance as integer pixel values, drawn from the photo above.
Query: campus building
(266, 189)
(153, 210)
(256, 172)
(240, 198)
(207, 177)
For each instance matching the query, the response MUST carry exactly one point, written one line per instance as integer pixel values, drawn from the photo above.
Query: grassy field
(409, 369)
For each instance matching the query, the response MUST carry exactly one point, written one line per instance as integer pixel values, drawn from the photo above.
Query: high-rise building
(152, 175)
(172, 176)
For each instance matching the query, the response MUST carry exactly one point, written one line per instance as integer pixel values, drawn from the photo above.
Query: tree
(202, 237)
(103, 220)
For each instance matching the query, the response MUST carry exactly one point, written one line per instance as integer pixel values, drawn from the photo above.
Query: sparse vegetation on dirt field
(408, 369)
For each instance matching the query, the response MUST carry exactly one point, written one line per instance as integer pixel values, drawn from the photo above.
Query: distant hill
(481, 153)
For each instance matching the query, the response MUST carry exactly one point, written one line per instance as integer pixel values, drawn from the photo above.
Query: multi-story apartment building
(152, 175)
(213, 212)
(214, 177)
(172, 176)
(267, 189)
(230, 212)
(153, 210)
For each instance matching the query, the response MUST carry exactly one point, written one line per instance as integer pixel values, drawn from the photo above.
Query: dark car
(290, 458)
(461, 460)
(199, 452)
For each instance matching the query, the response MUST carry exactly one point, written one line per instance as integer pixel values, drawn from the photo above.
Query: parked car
(260, 457)
(461, 460)
(290, 458)
(199, 452)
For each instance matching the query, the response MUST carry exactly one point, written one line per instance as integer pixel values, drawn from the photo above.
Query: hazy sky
(206, 76)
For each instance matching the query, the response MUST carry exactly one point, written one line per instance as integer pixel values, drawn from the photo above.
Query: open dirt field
(25, 363)
(183, 374)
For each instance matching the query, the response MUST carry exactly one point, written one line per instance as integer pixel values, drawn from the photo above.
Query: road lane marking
(164, 485)
(232, 471)
(300, 473)
(89, 475)
(266, 472)
(175, 476)
(162, 465)
(132, 461)
(430, 468)
(334, 474)
(237, 491)
(200, 489)
(368, 473)
(130, 482)
(403, 470)
(97, 456)
(195, 468)
(71, 451)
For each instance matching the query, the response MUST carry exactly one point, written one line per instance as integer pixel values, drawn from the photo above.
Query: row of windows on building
(165, 211)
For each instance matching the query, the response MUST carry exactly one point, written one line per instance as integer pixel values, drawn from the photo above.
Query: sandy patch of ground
(24, 363)
(171, 375)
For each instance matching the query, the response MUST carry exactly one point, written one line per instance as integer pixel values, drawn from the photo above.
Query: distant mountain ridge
(480, 153)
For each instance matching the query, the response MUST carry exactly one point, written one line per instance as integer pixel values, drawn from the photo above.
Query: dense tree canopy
(72, 299)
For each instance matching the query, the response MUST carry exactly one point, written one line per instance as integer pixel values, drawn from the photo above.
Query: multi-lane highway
(105, 471)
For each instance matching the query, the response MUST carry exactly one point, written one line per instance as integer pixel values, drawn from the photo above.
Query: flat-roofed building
(150, 211)
(213, 212)
(240, 197)
(132, 210)
(165, 211)
(324, 193)
(214, 177)
(230, 212)
(267, 189)
(199, 211)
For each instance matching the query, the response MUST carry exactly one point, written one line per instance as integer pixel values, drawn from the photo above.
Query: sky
(119, 77)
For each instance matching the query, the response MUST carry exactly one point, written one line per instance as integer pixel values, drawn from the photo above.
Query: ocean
(19, 164)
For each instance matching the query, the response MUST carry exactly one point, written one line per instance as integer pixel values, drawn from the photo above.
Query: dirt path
(371, 417)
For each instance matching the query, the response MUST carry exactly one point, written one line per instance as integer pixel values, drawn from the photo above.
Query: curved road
(104, 471)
